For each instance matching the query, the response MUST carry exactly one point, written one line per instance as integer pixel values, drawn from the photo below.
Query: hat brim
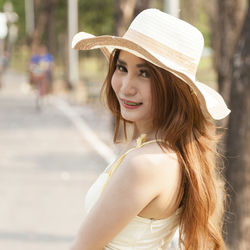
(212, 103)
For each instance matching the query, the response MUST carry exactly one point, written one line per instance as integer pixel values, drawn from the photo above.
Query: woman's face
(131, 83)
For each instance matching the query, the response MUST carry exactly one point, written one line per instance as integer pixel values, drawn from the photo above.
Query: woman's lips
(130, 104)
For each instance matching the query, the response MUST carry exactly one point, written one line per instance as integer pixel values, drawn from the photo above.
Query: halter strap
(140, 142)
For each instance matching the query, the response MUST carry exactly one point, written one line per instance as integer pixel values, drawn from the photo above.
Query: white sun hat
(167, 42)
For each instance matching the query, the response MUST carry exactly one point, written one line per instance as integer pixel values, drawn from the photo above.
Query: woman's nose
(128, 85)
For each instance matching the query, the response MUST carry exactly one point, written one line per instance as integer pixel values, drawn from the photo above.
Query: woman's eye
(144, 73)
(121, 68)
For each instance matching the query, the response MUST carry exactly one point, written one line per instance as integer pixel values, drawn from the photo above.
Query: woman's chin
(128, 116)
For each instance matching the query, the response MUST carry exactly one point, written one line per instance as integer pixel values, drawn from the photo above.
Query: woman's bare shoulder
(152, 154)
(151, 160)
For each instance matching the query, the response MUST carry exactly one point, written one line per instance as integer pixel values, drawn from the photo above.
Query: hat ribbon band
(150, 44)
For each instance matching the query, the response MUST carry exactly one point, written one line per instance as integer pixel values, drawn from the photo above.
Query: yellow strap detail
(140, 141)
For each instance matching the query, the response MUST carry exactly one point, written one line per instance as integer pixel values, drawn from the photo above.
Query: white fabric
(171, 27)
(214, 101)
(140, 233)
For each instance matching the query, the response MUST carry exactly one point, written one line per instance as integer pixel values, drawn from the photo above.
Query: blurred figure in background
(4, 59)
(34, 69)
(46, 65)
(41, 70)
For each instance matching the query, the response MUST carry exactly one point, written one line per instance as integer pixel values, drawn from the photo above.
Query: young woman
(167, 178)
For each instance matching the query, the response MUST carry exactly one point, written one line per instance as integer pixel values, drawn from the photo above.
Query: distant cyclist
(41, 64)
(46, 64)
(34, 68)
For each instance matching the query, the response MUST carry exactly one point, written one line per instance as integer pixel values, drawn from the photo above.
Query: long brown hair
(178, 116)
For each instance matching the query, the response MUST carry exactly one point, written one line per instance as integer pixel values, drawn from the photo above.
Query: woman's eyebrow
(121, 62)
(140, 65)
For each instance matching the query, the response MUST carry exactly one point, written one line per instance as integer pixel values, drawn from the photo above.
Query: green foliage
(1, 5)
(206, 72)
(19, 8)
(96, 17)
(20, 58)
(61, 16)
(195, 13)
(204, 27)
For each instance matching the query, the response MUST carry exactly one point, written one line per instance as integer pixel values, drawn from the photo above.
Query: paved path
(46, 167)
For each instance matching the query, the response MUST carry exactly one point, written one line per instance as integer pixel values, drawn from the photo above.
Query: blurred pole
(172, 7)
(72, 30)
(29, 17)
(3, 25)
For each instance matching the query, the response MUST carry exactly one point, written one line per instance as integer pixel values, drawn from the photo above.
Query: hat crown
(177, 35)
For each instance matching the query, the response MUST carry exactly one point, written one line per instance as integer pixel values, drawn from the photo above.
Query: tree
(125, 10)
(96, 17)
(226, 18)
(45, 23)
(195, 12)
(238, 143)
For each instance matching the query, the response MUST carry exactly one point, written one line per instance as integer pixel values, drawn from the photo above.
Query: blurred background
(55, 134)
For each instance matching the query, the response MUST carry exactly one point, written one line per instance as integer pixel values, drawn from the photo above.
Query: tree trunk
(190, 10)
(125, 11)
(226, 17)
(49, 9)
(45, 23)
(226, 20)
(141, 5)
(39, 23)
(238, 145)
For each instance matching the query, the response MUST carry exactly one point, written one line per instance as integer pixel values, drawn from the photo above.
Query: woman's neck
(150, 133)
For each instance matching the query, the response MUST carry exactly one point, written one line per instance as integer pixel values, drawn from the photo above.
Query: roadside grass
(20, 59)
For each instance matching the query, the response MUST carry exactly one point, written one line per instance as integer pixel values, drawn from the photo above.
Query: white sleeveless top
(140, 233)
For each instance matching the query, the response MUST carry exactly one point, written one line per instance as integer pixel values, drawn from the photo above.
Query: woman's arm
(134, 185)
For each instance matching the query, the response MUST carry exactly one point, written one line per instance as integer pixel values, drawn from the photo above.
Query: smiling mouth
(131, 103)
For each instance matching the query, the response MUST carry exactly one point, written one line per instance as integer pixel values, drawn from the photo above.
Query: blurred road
(46, 167)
